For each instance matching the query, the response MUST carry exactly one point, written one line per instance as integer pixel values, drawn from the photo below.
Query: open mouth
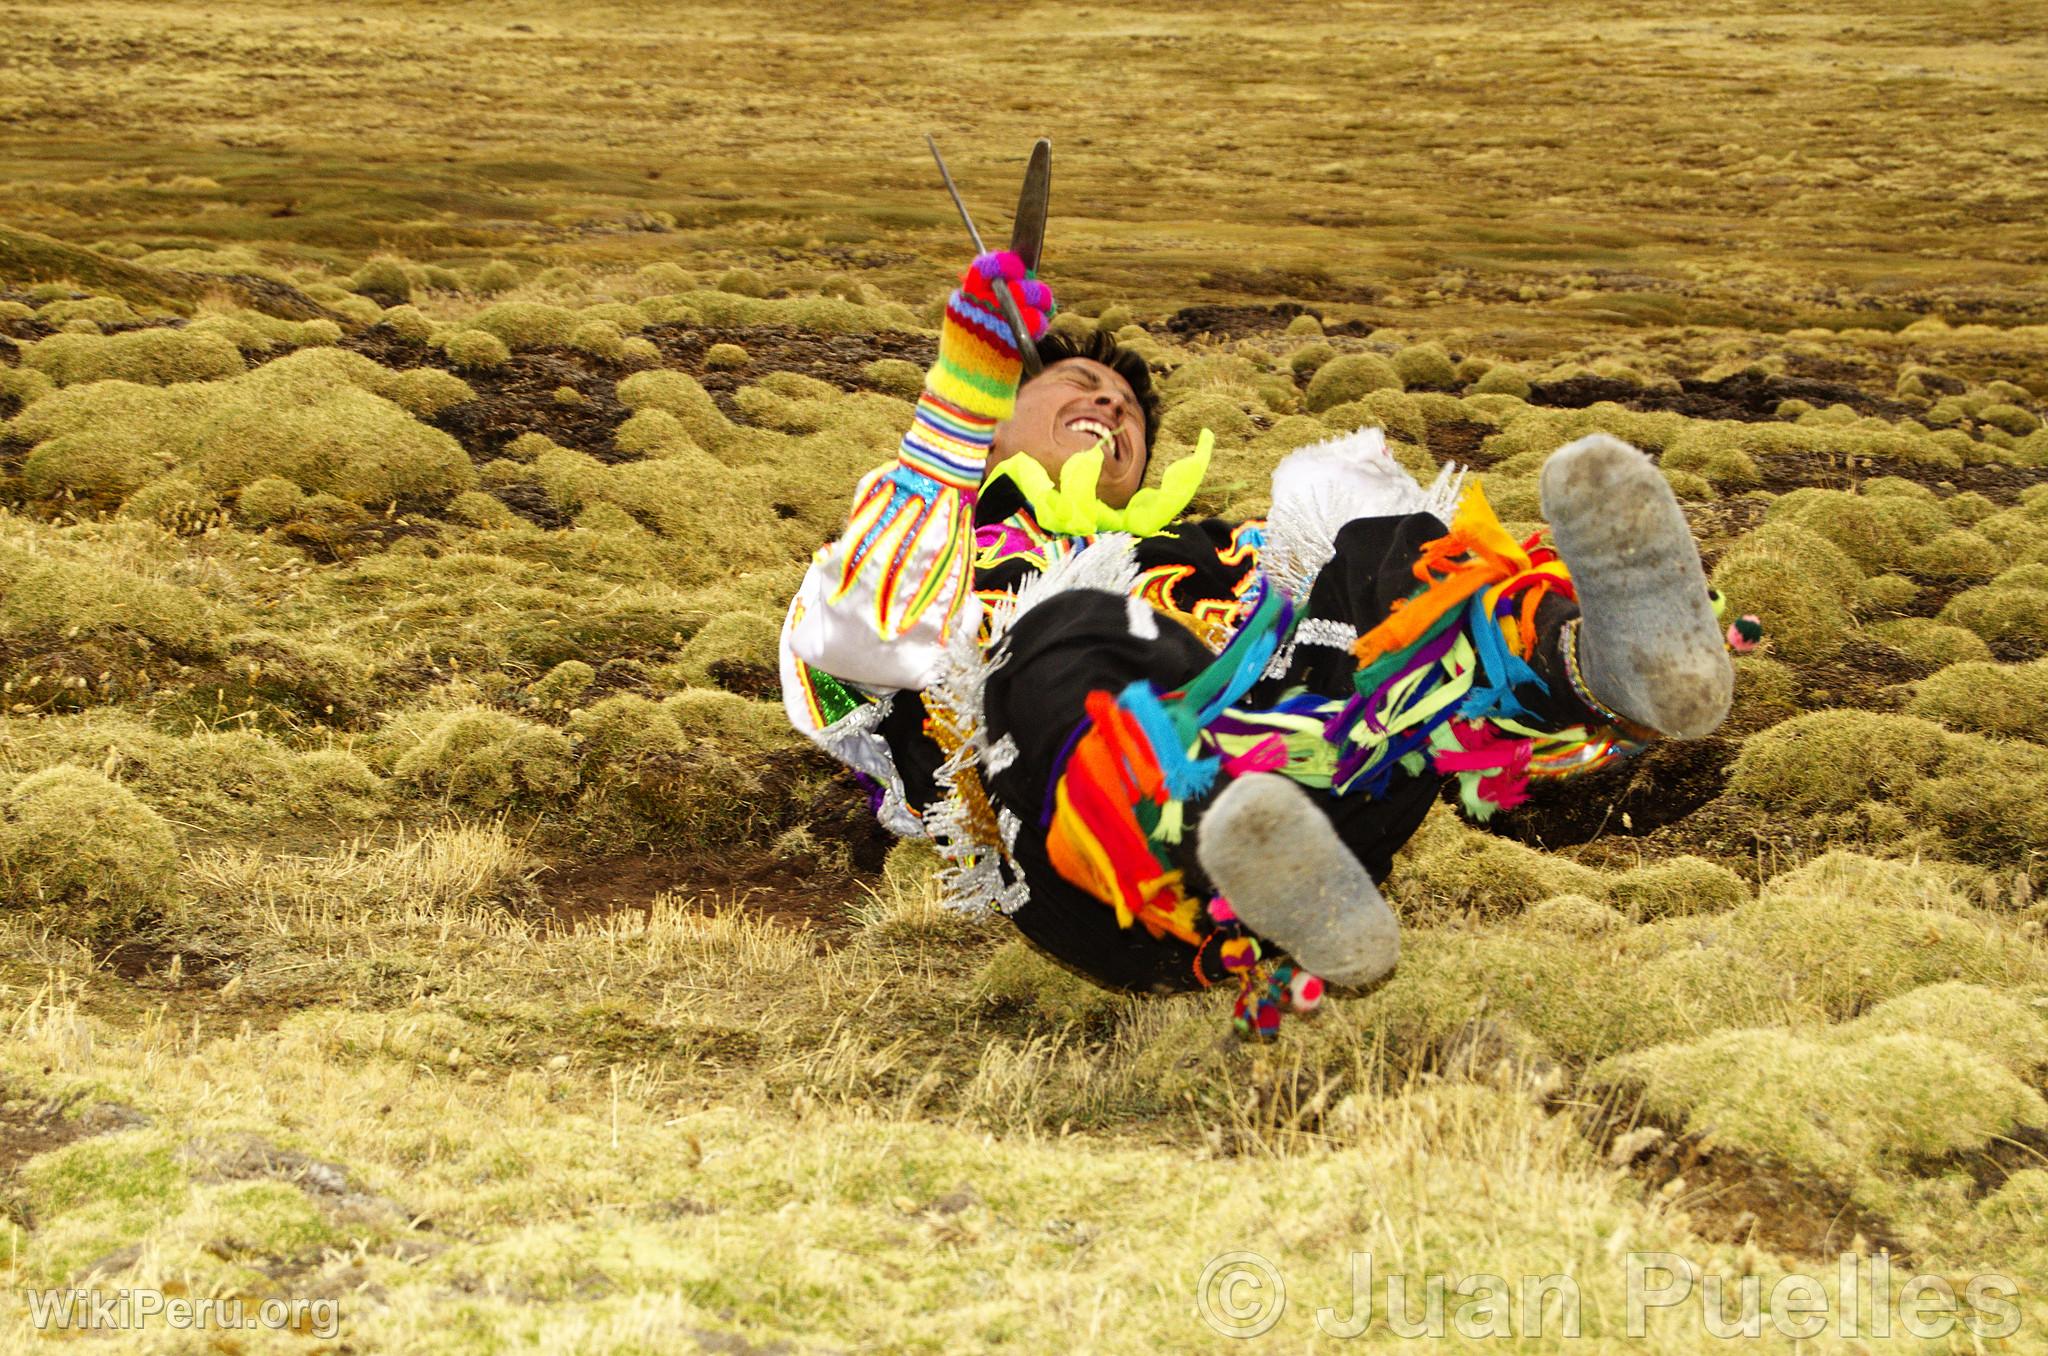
(1098, 431)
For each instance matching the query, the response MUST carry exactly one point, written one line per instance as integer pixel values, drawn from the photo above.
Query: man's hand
(979, 366)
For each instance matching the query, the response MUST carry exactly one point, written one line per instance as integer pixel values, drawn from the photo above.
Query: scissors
(1027, 235)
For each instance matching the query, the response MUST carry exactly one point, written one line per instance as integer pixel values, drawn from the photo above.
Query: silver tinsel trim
(1335, 635)
(855, 739)
(1108, 563)
(1319, 488)
(1014, 897)
(973, 886)
(974, 883)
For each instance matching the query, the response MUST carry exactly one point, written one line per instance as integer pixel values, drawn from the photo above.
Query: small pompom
(1305, 991)
(1744, 633)
(1240, 953)
(1220, 910)
(999, 264)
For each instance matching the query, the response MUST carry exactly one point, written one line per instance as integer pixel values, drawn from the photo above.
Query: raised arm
(877, 605)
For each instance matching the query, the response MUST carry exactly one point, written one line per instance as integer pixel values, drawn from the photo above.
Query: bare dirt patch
(333, 542)
(1818, 470)
(1460, 441)
(1575, 393)
(748, 879)
(1866, 676)
(1733, 1199)
(23, 330)
(1998, 483)
(1716, 523)
(1753, 397)
(1234, 321)
(527, 393)
(522, 397)
(2026, 1147)
(31, 1125)
(1633, 798)
(385, 346)
(532, 503)
(138, 958)
(13, 451)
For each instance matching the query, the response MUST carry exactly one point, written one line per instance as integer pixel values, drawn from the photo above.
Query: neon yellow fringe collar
(1073, 509)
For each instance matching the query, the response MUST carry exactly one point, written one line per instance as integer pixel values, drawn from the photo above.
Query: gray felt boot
(1275, 857)
(1649, 646)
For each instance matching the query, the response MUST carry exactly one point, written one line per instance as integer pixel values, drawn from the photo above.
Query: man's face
(1067, 409)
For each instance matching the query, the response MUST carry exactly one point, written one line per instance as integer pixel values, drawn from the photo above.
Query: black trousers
(1085, 641)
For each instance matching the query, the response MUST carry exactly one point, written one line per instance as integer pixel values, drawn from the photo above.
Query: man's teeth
(1093, 427)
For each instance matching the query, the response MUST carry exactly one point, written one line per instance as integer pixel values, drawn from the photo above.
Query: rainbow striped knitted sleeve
(878, 603)
(973, 385)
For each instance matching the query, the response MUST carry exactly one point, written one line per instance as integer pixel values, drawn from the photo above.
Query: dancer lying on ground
(1174, 752)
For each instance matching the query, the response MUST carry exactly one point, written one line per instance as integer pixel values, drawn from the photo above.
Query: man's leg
(1299, 868)
(1641, 650)
(1256, 836)
(1034, 702)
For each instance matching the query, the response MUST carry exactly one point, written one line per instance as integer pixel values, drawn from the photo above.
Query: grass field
(414, 418)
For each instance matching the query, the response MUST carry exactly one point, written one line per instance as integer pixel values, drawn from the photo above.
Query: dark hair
(1099, 347)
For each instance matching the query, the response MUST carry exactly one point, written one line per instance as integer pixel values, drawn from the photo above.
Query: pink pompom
(1000, 264)
(1220, 910)
(1306, 990)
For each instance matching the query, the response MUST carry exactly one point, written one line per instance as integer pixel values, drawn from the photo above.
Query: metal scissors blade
(954, 193)
(1027, 237)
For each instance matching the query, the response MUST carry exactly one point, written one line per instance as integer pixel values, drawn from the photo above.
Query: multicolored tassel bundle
(1476, 554)
(1095, 839)
(1266, 988)
(1134, 767)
